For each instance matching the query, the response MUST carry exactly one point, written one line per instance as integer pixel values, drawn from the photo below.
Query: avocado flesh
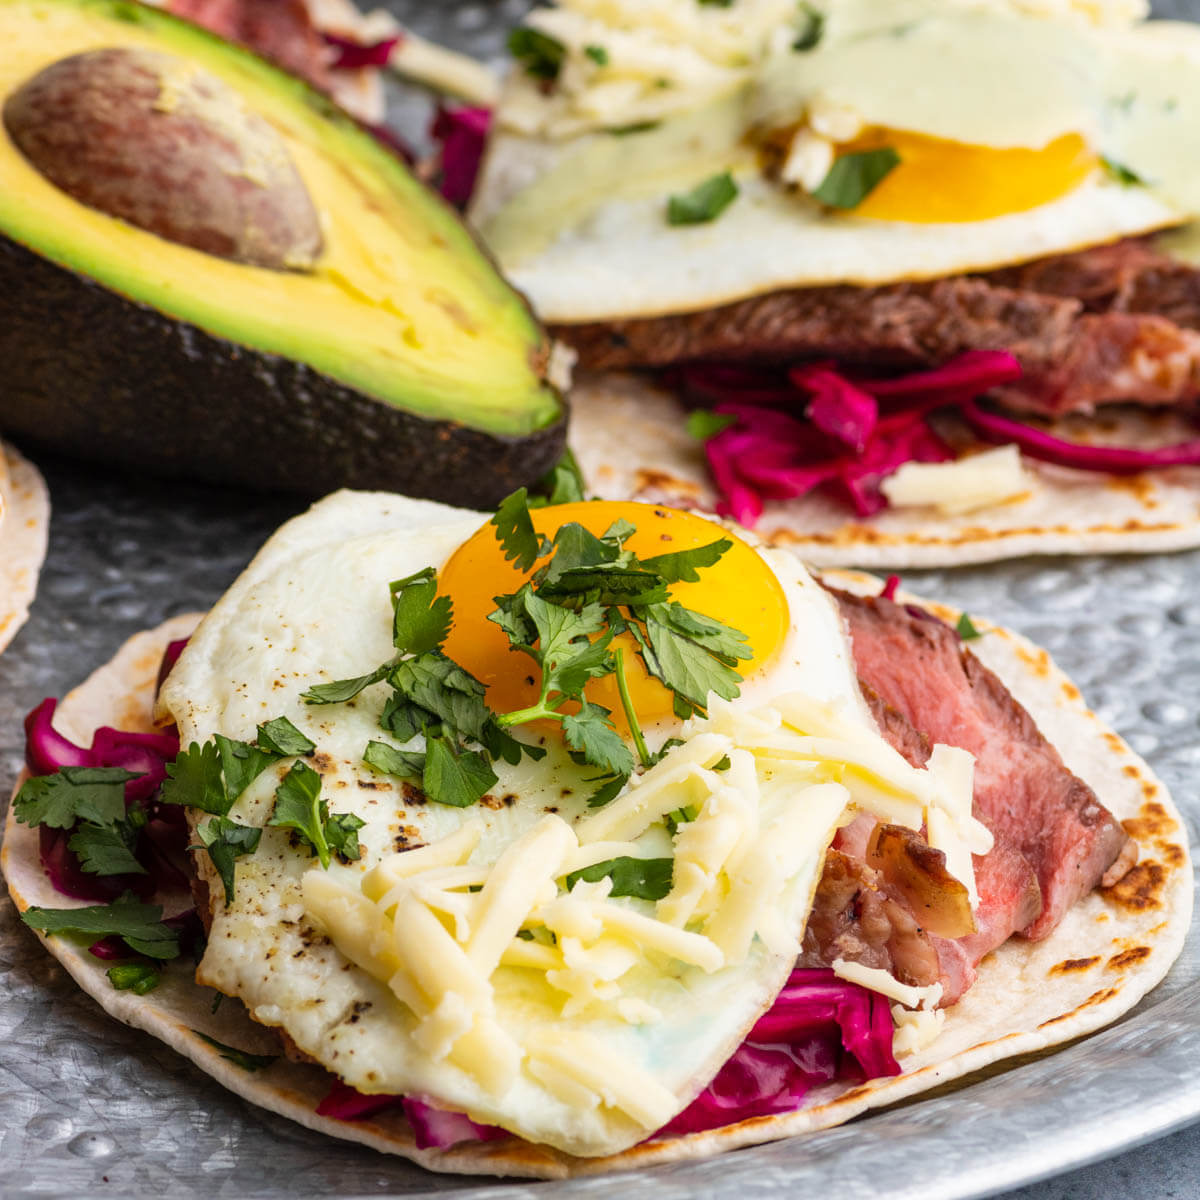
(402, 306)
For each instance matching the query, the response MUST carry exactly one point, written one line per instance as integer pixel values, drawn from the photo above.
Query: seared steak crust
(1112, 324)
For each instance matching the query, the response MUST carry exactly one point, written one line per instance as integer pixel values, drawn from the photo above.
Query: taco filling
(562, 841)
(860, 242)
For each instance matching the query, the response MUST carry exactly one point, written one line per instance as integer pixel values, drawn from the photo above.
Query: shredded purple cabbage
(888, 591)
(1116, 460)
(819, 1029)
(169, 659)
(857, 430)
(462, 135)
(348, 1104)
(354, 56)
(434, 1128)
(161, 842)
(837, 407)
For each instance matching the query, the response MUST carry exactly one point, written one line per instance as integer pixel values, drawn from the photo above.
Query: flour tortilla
(24, 526)
(1109, 951)
(632, 443)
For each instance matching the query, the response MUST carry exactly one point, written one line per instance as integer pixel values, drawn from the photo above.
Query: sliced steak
(1009, 895)
(1037, 810)
(1130, 336)
(1128, 276)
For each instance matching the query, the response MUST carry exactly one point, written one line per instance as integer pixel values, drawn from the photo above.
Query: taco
(414, 849)
(859, 244)
(24, 528)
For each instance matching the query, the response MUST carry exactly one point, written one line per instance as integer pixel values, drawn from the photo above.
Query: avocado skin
(91, 373)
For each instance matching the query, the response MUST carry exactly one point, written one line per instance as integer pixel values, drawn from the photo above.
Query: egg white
(313, 606)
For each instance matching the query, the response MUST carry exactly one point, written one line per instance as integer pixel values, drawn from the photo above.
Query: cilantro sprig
(583, 592)
(212, 776)
(300, 807)
(140, 925)
(89, 801)
(643, 878)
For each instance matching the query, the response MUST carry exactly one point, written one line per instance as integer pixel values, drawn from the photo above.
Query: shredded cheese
(878, 980)
(962, 486)
(436, 925)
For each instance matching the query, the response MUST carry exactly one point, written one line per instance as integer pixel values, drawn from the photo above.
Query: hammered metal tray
(90, 1107)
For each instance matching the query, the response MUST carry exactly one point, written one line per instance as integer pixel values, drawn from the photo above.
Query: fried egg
(1016, 134)
(452, 961)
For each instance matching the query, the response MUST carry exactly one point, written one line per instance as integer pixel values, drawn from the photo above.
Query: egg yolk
(740, 589)
(938, 180)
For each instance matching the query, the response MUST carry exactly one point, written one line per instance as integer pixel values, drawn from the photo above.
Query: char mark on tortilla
(1055, 841)
(1118, 323)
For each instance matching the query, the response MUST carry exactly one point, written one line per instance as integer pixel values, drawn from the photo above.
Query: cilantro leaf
(108, 849)
(73, 794)
(703, 424)
(812, 30)
(194, 779)
(853, 177)
(568, 660)
(610, 788)
(598, 55)
(705, 202)
(540, 54)
(226, 841)
(644, 878)
(239, 1058)
(499, 743)
(562, 484)
(592, 661)
(282, 738)
(684, 565)
(403, 719)
(342, 690)
(608, 585)
(632, 128)
(406, 764)
(589, 732)
(138, 978)
(298, 806)
(723, 640)
(685, 666)
(576, 547)
(681, 816)
(241, 764)
(442, 687)
(1121, 173)
(140, 925)
(661, 752)
(515, 532)
(453, 778)
(341, 831)
(420, 617)
(966, 628)
(511, 616)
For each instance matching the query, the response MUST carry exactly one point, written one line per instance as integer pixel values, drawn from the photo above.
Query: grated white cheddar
(878, 980)
(980, 481)
(915, 1030)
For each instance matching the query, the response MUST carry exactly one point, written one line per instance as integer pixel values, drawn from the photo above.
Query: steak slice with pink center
(1034, 806)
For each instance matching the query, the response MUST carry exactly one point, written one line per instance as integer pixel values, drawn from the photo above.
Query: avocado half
(398, 358)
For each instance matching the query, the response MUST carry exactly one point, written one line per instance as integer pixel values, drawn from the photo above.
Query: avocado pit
(153, 140)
